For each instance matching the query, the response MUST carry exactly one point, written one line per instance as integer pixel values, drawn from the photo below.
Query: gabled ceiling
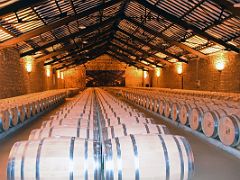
(66, 33)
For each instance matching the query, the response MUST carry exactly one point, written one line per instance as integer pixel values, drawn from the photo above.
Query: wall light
(58, 74)
(48, 70)
(158, 72)
(145, 74)
(179, 68)
(28, 63)
(62, 75)
(220, 62)
(220, 65)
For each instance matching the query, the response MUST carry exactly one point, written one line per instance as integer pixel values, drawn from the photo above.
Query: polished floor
(211, 163)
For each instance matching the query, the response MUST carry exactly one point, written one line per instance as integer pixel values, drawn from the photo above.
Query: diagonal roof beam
(122, 60)
(126, 57)
(186, 25)
(57, 24)
(89, 29)
(16, 6)
(132, 54)
(141, 50)
(165, 38)
(79, 50)
(66, 48)
(229, 6)
(82, 61)
(152, 46)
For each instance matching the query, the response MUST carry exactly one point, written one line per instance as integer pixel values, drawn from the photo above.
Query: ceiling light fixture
(82, 27)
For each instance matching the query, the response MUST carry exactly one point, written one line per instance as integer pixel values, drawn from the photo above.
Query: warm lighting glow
(220, 62)
(28, 63)
(58, 74)
(179, 68)
(145, 74)
(29, 67)
(220, 66)
(48, 70)
(158, 72)
(62, 75)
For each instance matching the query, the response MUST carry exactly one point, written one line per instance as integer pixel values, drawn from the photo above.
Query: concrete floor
(210, 163)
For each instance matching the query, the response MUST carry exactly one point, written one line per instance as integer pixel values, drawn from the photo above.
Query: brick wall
(15, 80)
(75, 77)
(204, 72)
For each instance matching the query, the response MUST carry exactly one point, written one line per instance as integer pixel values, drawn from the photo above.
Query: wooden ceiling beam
(187, 26)
(56, 24)
(165, 38)
(156, 48)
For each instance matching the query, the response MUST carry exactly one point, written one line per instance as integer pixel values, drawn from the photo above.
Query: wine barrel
(195, 119)
(175, 111)
(5, 120)
(55, 158)
(148, 157)
(184, 113)
(22, 113)
(86, 123)
(15, 116)
(229, 130)
(161, 107)
(156, 105)
(167, 109)
(210, 122)
(127, 129)
(113, 121)
(64, 131)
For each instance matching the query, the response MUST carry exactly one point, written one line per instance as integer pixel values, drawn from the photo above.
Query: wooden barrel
(156, 105)
(184, 113)
(28, 110)
(64, 131)
(55, 158)
(175, 111)
(127, 129)
(148, 157)
(161, 107)
(229, 130)
(5, 120)
(15, 114)
(86, 123)
(22, 113)
(210, 122)
(113, 121)
(167, 109)
(195, 119)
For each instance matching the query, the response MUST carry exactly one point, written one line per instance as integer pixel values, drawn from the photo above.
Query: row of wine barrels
(204, 117)
(24, 109)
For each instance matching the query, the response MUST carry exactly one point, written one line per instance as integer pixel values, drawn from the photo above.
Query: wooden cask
(64, 131)
(184, 113)
(55, 158)
(5, 120)
(127, 129)
(195, 119)
(175, 111)
(229, 130)
(77, 122)
(210, 122)
(167, 109)
(148, 157)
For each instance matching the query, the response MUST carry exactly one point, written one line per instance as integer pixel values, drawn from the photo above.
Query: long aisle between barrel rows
(99, 135)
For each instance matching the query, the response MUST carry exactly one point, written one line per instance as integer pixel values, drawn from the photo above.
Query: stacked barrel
(136, 148)
(65, 147)
(16, 110)
(96, 136)
(215, 114)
